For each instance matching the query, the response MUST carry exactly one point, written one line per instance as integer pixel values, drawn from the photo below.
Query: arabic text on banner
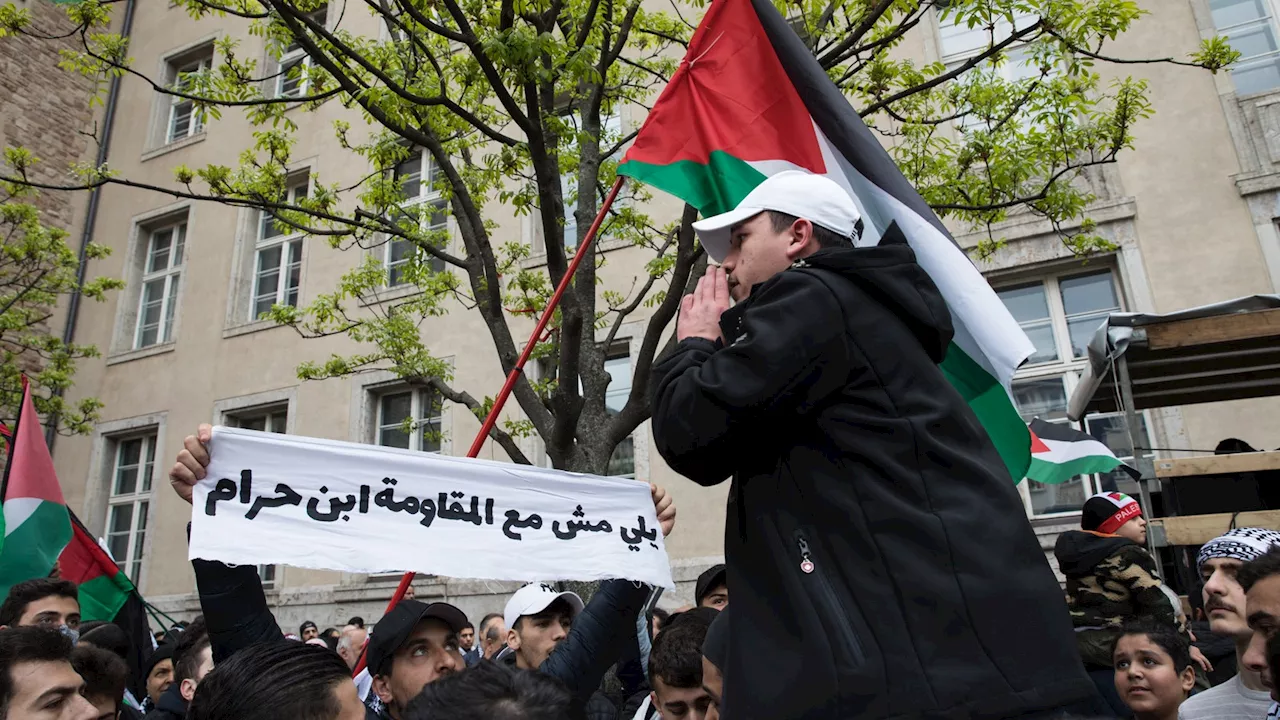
(307, 502)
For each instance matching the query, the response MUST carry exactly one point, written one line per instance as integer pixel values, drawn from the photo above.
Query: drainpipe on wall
(91, 212)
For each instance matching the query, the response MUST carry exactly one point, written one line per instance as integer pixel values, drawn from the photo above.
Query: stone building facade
(1192, 210)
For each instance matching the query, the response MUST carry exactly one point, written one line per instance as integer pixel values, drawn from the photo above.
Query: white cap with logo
(533, 599)
(815, 198)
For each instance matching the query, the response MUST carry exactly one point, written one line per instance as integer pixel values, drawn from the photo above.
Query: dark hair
(677, 653)
(29, 591)
(1162, 634)
(824, 237)
(272, 680)
(1259, 568)
(104, 674)
(487, 618)
(186, 654)
(467, 626)
(490, 691)
(661, 614)
(108, 636)
(357, 621)
(27, 644)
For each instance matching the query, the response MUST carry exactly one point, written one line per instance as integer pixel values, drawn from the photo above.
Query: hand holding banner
(308, 502)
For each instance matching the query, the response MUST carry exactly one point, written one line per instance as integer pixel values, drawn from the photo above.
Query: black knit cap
(163, 652)
(1107, 511)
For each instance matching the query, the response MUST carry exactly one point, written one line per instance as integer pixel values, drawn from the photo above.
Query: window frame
(291, 245)
(295, 56)
(275, 417)
(427, 195)
(189, 66)
(138, 501)
(1067, 368)
(1005, 70)
(171, 275)
(630, 439)
(416, 402)
(1272, 21)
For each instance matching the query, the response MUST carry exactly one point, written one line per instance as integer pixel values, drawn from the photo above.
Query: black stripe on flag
(838, 120)
(1061, 432)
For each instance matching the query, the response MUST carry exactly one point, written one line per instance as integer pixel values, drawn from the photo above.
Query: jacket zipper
(825, 597)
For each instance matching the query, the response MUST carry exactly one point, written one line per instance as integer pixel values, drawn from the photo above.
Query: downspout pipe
(91, 212)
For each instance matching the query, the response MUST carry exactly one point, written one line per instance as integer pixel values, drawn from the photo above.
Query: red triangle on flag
(1037, 445)
(31, 473)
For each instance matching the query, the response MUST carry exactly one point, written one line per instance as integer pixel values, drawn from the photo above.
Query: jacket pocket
(813, 576)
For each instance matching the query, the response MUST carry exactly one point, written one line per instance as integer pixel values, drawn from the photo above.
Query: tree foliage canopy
(512, 101)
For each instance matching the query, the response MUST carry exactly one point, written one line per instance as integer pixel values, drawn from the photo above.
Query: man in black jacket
(879, 558)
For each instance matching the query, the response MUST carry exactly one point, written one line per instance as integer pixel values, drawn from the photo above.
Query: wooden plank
(1218, 464)
(1216, 329)
(1200, 529)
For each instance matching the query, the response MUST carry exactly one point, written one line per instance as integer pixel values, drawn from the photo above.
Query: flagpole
(512, 377)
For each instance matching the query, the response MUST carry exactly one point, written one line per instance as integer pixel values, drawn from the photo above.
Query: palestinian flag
(750, 100)
(1059, 452)
(35, 520)
(41, 534)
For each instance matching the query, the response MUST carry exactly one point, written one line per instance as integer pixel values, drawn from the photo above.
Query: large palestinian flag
(1059, 452)
(41, 534)
(749, 101)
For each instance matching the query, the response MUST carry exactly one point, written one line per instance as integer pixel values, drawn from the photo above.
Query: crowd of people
(879, 557)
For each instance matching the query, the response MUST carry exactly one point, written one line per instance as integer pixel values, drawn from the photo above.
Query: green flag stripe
(989, 401)
(1043, 471)
(102, 597)
(713, 188)
(31, 550)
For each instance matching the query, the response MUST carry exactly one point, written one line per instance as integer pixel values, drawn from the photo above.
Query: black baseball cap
(395, 627)
(708, 581)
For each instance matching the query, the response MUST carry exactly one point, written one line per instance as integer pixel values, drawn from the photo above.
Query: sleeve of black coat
(710, 401)
(597, 637)
(234, 606)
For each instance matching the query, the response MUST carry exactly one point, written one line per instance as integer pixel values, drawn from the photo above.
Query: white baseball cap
(533, 599)
(815, 198)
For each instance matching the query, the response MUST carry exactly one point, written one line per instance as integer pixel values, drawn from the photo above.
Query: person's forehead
(1264, 596)
(165, 665)
(749, 222)
(1222, 563)
(432, 629)
(1138, 644)
(32, 679)
(53, 603)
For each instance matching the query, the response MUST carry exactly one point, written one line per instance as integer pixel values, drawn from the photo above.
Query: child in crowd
(1153, 670)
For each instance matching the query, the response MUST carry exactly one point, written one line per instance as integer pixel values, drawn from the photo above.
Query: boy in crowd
(1153, 669)
(37, 681)
(711, 590)
(1224, 602)
(1111, 579)
(47, 602)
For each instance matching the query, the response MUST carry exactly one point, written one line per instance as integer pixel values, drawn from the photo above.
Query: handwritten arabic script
(270, 498)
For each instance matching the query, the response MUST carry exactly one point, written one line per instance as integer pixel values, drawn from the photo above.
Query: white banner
(307, 502)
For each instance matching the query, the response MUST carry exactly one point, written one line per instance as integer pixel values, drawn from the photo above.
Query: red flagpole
(514, 375)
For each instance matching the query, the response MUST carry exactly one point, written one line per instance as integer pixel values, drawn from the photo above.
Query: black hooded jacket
(879, 557)
(170, 706)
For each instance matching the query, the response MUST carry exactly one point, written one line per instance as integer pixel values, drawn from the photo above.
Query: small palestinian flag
(749, 101)
(1059, 452)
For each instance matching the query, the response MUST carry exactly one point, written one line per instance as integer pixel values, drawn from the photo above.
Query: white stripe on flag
(1061, 451)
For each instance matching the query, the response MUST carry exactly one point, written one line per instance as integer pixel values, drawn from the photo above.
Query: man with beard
(1224, 602)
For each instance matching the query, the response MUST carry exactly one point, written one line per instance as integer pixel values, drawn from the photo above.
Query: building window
(184, 122)
(278, 256)
(266, 573)
(269, 419)
(623, 460)
(419, 178)
(959, 43)
(411, 419)
(1250, 27)
(161, 276)
(130, 501)
(1060, 314)
(610, 131)
(293, 78)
